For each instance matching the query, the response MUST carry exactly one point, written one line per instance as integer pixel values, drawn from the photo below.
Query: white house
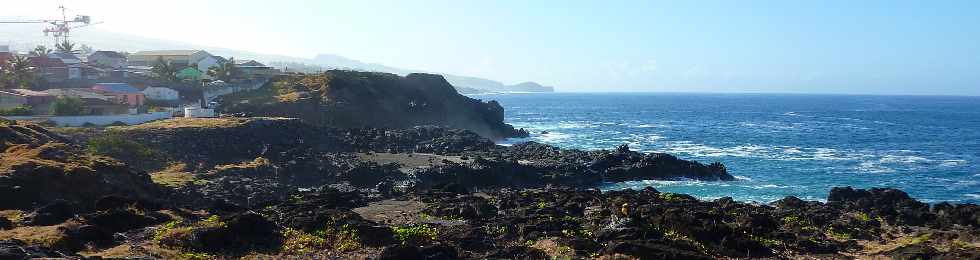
(161, 93)
(176, 57)
(209, 62)
(109, 59)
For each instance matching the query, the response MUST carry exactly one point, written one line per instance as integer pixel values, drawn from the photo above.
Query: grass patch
(416, 233)
(257, 163)
(920, 239)
(804, 224)
(770, 243)
(174, 176)
(864, 217)
(301, 242)
(671, 197)
(838, 234)
(579, 233)
(122, 147)
(671, 234)
(13, 215)
(348, 238)
(48, 236)
(177, 123)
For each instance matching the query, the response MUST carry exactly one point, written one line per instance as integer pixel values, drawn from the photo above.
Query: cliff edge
(351, 99)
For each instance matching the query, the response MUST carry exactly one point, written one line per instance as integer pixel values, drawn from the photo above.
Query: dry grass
(13, 215)
(554, 249)
(119, 252)
(48, 236)
(258, 162)
(186, 123)
(174, 176)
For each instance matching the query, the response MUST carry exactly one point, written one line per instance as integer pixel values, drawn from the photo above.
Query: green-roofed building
(190, 73)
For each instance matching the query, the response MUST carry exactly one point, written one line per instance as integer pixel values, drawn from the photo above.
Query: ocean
(776, 144)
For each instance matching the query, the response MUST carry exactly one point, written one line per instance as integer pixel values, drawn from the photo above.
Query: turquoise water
(777, 145)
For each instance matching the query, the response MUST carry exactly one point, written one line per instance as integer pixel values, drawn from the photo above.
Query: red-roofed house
(123, 92)
(4, 57)
(49, 69)
(38, 101)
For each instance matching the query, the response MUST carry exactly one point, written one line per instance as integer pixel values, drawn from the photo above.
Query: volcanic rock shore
(282, 188)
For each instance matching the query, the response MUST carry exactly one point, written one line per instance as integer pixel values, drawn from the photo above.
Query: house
(82, 93)
(40, 102)
(108, 59)
(253, 69)
(179, 58)
(190, 73)
(5, 55)
(210, 62)
(161, 94)
(93, 102)
(123, 92)
(50, 70)
(91, 72)
(71, 61)
(92, 106)
(66, 58)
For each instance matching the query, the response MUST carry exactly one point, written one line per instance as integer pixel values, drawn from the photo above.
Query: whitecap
(872, 167)
(553, 137)
(742, 178)
(908, 159)
(952, 163)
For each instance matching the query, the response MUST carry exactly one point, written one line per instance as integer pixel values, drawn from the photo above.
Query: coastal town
(76, 86)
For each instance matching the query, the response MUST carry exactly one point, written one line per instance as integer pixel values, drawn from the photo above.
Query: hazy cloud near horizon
(869, 47)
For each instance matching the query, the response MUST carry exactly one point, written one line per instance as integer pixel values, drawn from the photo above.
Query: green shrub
(416, 233)
(67, 106)
(22, 110)
(121, 147)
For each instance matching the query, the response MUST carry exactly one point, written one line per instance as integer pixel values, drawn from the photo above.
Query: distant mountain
(25, 37)
(463, 84)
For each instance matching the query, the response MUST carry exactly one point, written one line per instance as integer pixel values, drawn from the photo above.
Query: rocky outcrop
(350, 99)
(37, 167)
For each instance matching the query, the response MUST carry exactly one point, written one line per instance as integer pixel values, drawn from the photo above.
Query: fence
(97, 120)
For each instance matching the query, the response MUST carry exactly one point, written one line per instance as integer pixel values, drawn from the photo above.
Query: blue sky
(868, 47)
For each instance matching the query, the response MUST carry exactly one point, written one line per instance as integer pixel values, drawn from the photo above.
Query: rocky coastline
(284, 188)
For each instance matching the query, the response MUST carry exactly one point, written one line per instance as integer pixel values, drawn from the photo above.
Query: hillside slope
(38, 167)
(350, 99)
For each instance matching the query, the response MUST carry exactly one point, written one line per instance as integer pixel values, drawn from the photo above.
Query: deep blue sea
(776, 144)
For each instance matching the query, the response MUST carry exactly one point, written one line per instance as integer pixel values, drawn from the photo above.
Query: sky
(851, 47)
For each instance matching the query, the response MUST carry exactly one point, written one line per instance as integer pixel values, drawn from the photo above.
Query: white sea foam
(909, 159)
(972, 195)
(872, 167)
(742, 178)
(551, 137)
(952, 163)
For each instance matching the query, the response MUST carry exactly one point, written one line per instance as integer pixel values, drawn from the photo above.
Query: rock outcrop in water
(350, 99)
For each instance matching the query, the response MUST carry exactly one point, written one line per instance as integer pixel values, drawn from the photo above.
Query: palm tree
(40, 51)
(225, 71)
(164, 70)
(66, 47)
(18, 73)
(85, 49)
